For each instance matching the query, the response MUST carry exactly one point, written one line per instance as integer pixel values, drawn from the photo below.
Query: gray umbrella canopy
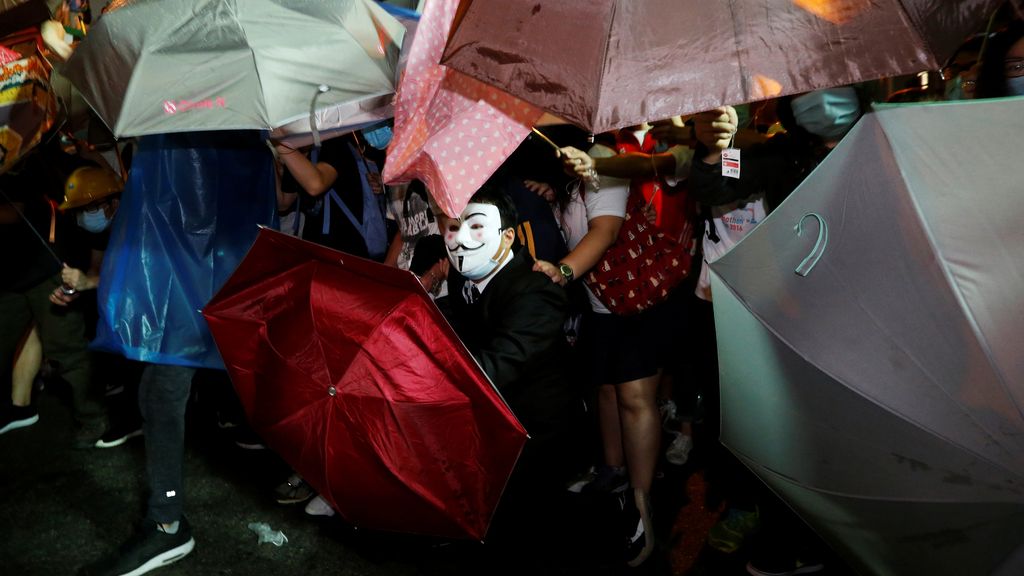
(156, 66)
(879, 390)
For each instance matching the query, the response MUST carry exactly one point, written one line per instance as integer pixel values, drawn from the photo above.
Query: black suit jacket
(515, 331)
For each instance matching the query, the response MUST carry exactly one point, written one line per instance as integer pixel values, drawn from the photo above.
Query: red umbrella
(606, 64)
(348, 371)
(451, 131)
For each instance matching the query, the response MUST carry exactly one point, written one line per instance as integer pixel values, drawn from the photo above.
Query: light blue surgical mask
(378, 137)
(1015, 86)
(828, 114)
(94, 221)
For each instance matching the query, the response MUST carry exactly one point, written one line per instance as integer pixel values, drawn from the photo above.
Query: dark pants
(62, 331)
(163, 396)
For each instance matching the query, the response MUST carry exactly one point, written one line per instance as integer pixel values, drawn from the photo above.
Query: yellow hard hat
(89, 184)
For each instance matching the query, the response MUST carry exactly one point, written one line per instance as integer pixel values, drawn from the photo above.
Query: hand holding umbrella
(715, 129)
(74, 281)
(674, 132)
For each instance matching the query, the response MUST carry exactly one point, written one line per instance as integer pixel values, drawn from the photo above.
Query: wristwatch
(566, 271)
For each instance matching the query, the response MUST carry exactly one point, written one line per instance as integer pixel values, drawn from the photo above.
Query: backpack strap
(371, 227)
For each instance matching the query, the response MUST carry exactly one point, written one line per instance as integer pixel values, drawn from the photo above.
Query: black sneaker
(89, 433)
(13, 417)
(790, 567)
(148, 549)
(246, 439)
(607, 480)
(639, 528)
(118, 434)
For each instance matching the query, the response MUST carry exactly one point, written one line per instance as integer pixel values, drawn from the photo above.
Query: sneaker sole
(250, 446)
(101, 443)
(164, 558)
(20, 424)
(329, 513)
(577, 486)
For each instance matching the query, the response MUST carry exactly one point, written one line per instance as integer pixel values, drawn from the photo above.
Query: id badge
(731, 163)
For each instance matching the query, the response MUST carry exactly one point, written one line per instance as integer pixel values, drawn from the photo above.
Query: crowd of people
(611, 385)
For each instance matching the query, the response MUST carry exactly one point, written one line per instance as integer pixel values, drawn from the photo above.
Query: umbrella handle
(811, 260)
(321, 89)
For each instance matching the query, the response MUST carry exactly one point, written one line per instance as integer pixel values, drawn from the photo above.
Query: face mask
(829, 113)
(94, 221)
(474, 241)
(378, 137)
(1015, 86)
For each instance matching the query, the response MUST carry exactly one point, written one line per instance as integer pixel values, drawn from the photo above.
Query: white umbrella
(871, 367)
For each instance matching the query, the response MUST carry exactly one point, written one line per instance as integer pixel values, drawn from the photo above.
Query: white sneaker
(319, 507)
(576, 486)
(668, 412)
(678, 451)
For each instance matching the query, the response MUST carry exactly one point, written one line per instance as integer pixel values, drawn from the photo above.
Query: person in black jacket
(510, 318)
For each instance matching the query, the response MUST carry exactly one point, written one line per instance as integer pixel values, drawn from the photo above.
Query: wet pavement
(62, 508)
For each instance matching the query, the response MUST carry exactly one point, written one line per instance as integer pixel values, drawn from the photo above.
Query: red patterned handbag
(643, 265)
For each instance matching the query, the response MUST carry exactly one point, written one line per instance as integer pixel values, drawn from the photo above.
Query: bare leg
(27, 360)
(641, 428)
(611, 429)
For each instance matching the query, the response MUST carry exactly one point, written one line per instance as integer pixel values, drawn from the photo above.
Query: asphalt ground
(62, 508)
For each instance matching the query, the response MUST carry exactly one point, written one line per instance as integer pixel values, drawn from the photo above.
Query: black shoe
(13, 417)
(89, 434)
(606, 480)
(639, 528)
(790, 567)
(246, 439)
(294, 490)
(150, 548)
(118, 434)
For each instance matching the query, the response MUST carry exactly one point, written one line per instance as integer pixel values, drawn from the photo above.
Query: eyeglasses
(1013, 68)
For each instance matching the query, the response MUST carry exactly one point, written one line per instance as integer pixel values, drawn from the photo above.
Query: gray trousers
(62, 332)
(163, 395)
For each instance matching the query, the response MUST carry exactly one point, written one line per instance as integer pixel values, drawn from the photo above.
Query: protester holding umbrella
(643, 157)
(196, 201)
(43, 240)
(92, 195)
(621, 357)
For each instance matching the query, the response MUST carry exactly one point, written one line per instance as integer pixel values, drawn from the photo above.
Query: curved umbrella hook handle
(811, 260)
(321, 89)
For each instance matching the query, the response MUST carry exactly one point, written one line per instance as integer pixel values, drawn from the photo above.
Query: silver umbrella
(870, 336)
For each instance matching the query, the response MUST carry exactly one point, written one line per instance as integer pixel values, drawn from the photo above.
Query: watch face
(565, 270)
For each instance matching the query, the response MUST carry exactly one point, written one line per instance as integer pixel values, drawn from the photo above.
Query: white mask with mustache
(474, 241)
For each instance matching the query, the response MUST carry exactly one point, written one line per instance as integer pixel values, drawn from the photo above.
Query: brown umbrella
(606, 64)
